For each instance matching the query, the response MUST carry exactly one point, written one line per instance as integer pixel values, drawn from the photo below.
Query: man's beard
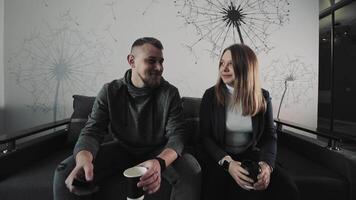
(151, 80)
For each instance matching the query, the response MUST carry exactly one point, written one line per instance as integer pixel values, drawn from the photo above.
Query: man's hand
(240, 175)
(83, 169)
(263, 178)
(151, 180)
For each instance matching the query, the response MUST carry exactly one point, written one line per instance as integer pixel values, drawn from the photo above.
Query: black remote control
(83, 187)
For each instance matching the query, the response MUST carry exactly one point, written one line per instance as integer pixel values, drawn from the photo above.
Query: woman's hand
(240, 175)
(263, 178)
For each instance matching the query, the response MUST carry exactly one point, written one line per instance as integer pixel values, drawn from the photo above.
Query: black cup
(133, 176)
(252, 167)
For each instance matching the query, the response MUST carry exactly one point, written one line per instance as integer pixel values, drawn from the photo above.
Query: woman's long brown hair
(247, 86)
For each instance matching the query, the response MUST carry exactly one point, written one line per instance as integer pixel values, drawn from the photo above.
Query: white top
(238, 128)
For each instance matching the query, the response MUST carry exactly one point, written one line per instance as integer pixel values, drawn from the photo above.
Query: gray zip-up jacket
(143, 121)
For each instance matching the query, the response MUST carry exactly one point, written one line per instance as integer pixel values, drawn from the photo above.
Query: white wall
(298, 55)
(2, 81)
(93, 37)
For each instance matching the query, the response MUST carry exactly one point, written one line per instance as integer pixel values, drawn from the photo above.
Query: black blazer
(213, 125)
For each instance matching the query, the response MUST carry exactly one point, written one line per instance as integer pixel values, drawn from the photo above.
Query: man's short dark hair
(150, 40)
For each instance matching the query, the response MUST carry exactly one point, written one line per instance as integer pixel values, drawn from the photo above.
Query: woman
(236, 124)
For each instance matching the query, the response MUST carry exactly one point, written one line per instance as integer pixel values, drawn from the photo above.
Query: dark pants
(184, 174)
(218, 184)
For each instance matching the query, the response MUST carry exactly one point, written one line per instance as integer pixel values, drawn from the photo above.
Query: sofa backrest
(191, 108)
(82, 106)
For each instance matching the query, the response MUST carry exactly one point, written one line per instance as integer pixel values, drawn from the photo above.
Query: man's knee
(62, 171)
(188, 168)
(66, 166)
(191, 164)
(188, 184)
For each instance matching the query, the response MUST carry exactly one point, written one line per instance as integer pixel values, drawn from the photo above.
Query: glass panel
(323, 4)
(324, 98)
(345, 70)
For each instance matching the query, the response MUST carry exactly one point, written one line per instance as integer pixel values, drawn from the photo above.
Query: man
(144, 114)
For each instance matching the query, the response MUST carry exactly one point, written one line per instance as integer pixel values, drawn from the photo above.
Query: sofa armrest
(308, 159)
(36, 148)
(8, 141)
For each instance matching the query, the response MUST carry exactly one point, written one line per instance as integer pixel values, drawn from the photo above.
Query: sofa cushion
(82, 106)
(35, 180)
(315, 178)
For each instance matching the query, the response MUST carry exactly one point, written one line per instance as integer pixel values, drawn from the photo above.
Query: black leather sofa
(27, 172)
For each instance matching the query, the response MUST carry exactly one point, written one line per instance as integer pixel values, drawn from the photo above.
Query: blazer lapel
(256, 127)
(220, 119)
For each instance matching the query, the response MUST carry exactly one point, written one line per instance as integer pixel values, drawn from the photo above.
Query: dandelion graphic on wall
(222, 22)
(290, 81)
(54, 64)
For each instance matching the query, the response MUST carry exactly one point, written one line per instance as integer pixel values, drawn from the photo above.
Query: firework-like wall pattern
(55, 49)
(224, 22)
(54, 64)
